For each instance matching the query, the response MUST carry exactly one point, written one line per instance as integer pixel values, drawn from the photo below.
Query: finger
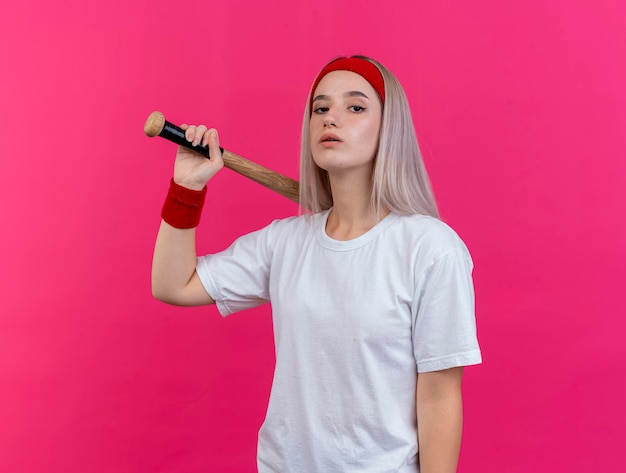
(184, 126)
(190, 133)
(207, 134)
(199, 135)
(213, 141)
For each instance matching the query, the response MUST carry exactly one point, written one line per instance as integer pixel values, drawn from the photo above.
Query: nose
(330, 120)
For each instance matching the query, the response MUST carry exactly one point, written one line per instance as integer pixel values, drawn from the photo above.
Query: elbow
(163, 290)
(160, 295)
(164, 294)
(181, 297)
(168, 298)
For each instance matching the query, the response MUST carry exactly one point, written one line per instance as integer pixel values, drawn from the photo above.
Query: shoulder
(293, 228)
(429, 237)
(428, 230)
(299, 222)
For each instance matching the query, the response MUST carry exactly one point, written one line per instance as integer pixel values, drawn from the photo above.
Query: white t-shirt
(354, 322)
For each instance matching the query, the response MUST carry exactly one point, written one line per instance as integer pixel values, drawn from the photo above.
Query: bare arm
(439, 420)
(174, 277)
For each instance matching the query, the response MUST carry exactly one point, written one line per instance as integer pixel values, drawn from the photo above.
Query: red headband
(362, 67)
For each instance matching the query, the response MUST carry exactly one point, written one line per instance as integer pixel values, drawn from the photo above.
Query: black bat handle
(157, 125)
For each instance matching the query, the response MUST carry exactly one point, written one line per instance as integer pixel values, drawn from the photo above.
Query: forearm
(174, 279)
(440, 426)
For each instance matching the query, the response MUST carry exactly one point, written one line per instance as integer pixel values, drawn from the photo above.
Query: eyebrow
(352, 93)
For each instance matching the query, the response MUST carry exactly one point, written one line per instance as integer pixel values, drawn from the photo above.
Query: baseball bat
(156, 125)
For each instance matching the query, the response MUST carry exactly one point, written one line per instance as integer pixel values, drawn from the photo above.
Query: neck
(352, 214)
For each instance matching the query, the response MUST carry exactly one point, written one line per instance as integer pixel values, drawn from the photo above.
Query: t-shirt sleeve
(238, 277)
(443, 313)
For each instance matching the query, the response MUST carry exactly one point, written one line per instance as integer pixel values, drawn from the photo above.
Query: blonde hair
(400, 182)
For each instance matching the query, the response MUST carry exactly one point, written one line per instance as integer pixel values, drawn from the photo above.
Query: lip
(330, 138)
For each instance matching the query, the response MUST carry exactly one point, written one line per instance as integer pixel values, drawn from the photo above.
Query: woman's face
(345, 123)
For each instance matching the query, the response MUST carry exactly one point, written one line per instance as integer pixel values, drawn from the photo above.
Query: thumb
(215, 153)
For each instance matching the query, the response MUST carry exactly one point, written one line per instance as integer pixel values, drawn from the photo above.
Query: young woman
(372, 296)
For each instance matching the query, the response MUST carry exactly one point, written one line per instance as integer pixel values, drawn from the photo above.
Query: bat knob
(154, 124)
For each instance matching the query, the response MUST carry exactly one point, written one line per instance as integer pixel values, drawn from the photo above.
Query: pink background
(520, 109)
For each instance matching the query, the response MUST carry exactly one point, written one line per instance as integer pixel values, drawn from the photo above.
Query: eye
(320, 109)
(356, 108)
